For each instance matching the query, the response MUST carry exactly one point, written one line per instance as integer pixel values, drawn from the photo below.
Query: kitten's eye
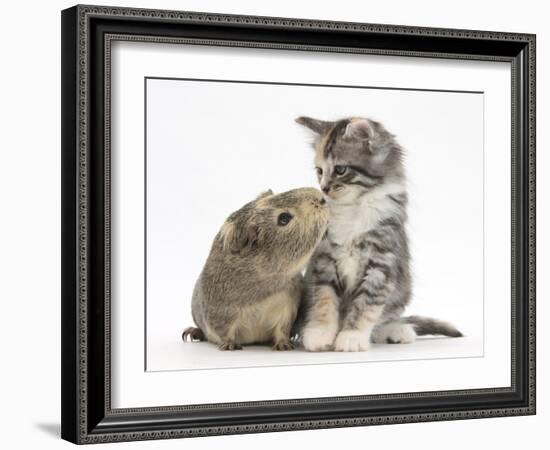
(319, 171)
(284, 219)
(340, 170)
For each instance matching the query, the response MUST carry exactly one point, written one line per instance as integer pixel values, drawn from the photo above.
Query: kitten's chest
(346, 232)
(349, 223)
(348, 260)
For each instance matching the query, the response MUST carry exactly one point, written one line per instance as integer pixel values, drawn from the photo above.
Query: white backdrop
(30, 229)
(212, 146)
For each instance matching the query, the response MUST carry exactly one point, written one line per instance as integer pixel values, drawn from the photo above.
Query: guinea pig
(250, 287)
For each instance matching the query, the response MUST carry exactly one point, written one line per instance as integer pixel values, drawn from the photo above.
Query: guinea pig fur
(250, 287)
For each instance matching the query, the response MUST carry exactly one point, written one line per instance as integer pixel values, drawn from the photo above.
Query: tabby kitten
(358, 281)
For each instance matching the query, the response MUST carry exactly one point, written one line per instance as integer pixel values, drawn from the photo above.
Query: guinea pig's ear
(238, 238)
(318, 126)
(265, 194)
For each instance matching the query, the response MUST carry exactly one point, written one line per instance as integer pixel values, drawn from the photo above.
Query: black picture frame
(87, 416)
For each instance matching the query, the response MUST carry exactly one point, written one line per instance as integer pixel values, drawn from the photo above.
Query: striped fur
(358, 282)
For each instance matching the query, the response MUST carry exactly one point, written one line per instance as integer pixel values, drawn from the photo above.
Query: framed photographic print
(283, 224)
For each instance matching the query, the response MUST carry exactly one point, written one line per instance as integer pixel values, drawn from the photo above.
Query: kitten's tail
(427, 325)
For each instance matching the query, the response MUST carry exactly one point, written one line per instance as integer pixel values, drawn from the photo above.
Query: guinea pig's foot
(193, 334)
(230, 346)
(283, 345)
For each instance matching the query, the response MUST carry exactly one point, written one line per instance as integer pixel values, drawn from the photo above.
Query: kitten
(358, 280)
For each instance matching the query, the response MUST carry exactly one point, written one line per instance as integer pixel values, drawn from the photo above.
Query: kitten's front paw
(317, 339)
(352, 341)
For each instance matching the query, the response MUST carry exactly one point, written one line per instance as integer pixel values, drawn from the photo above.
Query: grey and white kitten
(358, 280)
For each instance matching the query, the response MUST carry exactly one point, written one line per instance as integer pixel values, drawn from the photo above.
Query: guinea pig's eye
(284, 219)
(319, 171)
(340, 170)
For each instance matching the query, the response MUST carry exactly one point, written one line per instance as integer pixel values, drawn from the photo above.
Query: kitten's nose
(325, 189)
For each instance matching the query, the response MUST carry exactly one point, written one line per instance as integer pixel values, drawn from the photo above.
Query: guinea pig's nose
(322, 201)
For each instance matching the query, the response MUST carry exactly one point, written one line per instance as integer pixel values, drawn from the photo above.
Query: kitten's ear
(319, 126)
(239, 238)
(358, 129)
